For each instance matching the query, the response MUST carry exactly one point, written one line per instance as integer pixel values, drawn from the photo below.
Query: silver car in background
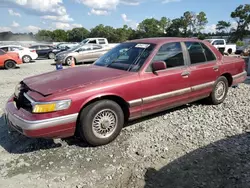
(81, 53)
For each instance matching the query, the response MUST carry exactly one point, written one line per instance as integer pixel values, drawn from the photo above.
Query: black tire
(86, 128)
(51, 55)
(68, 60)
(26, 59)
(9, 64)
(230, 51)
(213, 98)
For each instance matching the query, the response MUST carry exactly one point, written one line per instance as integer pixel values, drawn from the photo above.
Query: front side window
(126, 56)
(196, 52)
(218, 42)
(171, 54)
(44, 47)
(92, 42)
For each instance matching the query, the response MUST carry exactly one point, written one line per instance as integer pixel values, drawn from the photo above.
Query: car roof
(163, 40)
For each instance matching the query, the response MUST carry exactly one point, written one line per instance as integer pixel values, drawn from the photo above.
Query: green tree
(59, 35)
(242, 17)
(223, 26)
(77, 34)
(164, 24)
(201, 21)
(44, 35)
(187, 22)
(150, 28)
(175, 29)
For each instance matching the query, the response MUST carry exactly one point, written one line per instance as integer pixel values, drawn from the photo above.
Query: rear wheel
(26, 59)
(230, 51)
(52, 55)
(219, 92)
(101, 122)
(10, 64)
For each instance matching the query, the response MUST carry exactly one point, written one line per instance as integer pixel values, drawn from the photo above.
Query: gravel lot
(192, 146)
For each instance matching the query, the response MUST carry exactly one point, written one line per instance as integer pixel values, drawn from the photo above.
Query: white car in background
(222, 46)
(25, 54)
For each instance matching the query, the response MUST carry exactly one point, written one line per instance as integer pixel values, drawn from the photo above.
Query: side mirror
(158, 65)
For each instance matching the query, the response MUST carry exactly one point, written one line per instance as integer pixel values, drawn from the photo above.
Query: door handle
(216, 68)
(185, 74)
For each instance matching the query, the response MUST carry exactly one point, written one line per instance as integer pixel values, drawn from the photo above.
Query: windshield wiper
(136, 59)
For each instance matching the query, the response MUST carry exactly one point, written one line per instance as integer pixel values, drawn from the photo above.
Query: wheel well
(229, 78)
(10, 60)
(120, 101)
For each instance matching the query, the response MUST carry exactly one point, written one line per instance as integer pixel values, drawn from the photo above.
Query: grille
(21, 100)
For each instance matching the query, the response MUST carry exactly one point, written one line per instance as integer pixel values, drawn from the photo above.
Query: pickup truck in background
(100, 41)
(222, 46)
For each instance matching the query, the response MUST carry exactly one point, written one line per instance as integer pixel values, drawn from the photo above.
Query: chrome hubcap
(26, 59)
(52, 56)
(104, 123)
(220, 90)
(69, 61)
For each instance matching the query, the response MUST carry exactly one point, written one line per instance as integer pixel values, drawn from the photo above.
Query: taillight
(32, 50)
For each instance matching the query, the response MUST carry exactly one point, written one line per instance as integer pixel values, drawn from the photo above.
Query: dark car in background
(243, 50)
(44, 51)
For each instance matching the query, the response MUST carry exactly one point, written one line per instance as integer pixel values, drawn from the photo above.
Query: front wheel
(68, 60)
(219, 92)
(101, 122)
(10, 64)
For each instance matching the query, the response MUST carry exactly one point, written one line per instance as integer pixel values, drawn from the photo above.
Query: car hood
(71, 78)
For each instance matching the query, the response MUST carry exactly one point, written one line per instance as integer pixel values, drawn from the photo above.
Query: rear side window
(2, 52)
(196, 52)
(209, 54)
(171, 54)
(6, 49)
(101, 41)
(199, 52)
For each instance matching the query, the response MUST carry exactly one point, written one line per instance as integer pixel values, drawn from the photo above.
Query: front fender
(99, 96)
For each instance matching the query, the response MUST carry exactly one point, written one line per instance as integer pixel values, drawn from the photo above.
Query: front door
(204, 69)
(166, 88)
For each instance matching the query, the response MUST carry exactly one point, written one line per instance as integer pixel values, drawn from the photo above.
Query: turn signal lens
(42, 108)
(51, 106)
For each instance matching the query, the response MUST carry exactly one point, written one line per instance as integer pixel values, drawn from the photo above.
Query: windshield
(126, 56)
(85, 41)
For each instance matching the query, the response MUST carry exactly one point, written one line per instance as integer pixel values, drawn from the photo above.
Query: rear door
(204, 69)
(166, 88)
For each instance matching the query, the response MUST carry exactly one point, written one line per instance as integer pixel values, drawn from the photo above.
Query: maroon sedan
(132, 80)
